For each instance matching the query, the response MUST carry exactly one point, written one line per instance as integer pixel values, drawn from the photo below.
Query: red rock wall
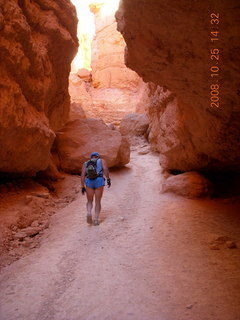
(37, 44)
(168, 43)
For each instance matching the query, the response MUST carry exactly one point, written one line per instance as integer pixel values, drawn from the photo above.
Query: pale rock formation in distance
(115, 89)
(37, 43)
(84, 74)
(80, 137)
(79, 90)
(168, 44)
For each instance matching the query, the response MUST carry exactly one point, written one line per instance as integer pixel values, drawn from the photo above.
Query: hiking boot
(89, 219)
(95, 223)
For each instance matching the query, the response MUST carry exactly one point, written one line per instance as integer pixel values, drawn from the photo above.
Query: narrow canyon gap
(159, 100)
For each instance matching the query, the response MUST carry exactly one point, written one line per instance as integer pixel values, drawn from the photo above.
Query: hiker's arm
(105, 169)
(83, 175)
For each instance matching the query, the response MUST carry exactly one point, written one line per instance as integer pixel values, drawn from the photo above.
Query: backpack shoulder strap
(99, 166)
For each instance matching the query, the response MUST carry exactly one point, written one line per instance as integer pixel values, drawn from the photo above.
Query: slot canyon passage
(154, 88)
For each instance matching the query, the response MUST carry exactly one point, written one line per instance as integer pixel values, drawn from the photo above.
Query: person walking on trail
(93, 182)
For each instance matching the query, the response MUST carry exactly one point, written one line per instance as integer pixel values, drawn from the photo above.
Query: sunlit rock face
(168, 44)
(38, 42)
(108, 67)
(115, 89)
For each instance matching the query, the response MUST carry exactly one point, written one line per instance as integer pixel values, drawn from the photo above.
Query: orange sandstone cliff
(37, 44)
(168, 44)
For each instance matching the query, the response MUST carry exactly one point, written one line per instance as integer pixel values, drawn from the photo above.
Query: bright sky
(86, 27)
(85, 17)
(109, 7)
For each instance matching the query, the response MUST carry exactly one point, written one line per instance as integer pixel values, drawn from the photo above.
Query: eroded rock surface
(25, 209)
(38, 41)
(80, 137)
(168, 43)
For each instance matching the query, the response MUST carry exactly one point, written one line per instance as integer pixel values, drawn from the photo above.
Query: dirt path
(149, 258)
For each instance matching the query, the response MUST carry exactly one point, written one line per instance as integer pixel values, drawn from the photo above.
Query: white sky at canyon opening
(86, 28)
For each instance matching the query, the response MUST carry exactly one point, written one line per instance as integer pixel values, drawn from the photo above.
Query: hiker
(92, 177)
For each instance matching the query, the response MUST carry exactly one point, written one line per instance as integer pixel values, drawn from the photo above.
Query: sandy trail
(149, 258)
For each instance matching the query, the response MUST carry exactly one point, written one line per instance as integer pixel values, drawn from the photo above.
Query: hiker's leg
(98, 197)
(90, 195)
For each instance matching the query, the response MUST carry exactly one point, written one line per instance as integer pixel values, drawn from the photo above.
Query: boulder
(188, 184)
(84, 74)
(37, 43)
(31, 231)
(80, 137)
(134, 124)
(19, 235)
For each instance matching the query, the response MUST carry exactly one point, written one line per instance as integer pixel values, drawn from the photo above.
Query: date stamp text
(214, 60)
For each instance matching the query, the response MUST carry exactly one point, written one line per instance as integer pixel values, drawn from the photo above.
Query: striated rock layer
(168, 44)
(37, 43)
